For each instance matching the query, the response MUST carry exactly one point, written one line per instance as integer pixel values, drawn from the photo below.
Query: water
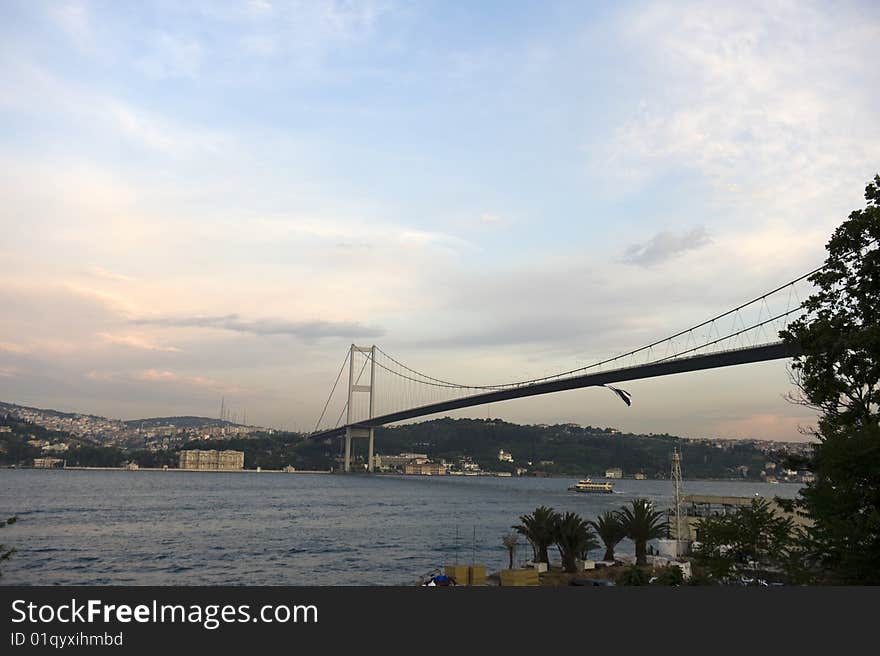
(178, 528)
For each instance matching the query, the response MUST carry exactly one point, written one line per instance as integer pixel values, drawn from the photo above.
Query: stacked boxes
(477, 575)
(467, 574)
(457, 572)
(517, 577)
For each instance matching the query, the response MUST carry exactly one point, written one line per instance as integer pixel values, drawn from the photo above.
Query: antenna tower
(679, 506)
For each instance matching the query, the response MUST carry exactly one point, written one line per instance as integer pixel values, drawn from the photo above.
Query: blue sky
(487, 190)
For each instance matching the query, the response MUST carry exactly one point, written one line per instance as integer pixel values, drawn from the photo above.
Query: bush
(632, 575)
(670, 575)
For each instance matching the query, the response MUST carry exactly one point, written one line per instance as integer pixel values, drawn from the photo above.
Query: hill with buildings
(489, 445)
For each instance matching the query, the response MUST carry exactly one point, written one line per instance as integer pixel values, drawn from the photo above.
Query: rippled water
(166, 528)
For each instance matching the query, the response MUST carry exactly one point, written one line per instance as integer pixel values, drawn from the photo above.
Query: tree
(764, 535)
(610, 530)
(838, 373)
(754, 534)
(715, 551)
(510, 542)
(537, 528)
(642, 523)
(573, 538)
(6, 554)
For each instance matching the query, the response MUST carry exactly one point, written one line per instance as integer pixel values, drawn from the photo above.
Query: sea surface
(180, 528)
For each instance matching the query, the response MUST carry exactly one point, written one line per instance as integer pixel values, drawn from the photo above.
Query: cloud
(100, 272)
(137, 342)
(665, 246)
(490, 219)
(11, 347)
(163, 376)
(765, 103)
(157, 132)
(153, 375)
(765, 425)
(308, 330)
(73, 20)
(172, 56)
(112, 302)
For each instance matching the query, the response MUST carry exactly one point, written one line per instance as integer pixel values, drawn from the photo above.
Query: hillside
(568, 449)
(181, 422)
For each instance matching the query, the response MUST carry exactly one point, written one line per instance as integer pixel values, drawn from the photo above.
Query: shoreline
(328, 471)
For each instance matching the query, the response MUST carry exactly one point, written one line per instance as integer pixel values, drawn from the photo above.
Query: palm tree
(510, 541)
(642, 523)
(538, 530)
(573, 538)
(610, 530)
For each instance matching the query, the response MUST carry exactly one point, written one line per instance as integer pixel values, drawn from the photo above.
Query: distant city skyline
(209, 201)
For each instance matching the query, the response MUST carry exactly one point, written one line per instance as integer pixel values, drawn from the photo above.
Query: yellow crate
(477, 575)
(457, 572)
(517, 577)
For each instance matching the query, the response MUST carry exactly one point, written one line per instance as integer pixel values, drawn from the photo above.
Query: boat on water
(586, 485)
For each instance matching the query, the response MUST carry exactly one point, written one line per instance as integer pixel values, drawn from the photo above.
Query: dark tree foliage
(670, 575)
(755, 536)
(539, 529)
(610, 530)
(632, 575)
(642, 523)
(839, 374)
(573, 538)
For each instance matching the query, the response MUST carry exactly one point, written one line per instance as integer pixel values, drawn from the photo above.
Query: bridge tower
(355, 388)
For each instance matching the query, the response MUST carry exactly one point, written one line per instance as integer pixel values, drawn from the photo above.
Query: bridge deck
(765, 352)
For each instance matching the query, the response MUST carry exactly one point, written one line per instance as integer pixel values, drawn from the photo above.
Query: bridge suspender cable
(357, 380)
(338, 376)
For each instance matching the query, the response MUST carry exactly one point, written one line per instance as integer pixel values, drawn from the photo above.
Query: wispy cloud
(12, 347)
(308, 330)
(137, 342)
(172, 56)
(73, 19)
(665, 246)
(100, 272)
(171, 377)
(750, 101)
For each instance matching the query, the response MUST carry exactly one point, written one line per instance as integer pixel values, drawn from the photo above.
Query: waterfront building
(48, 463)
(399, 461)
(614, 472)
(425, 469)
(505, 456)
(211, 460)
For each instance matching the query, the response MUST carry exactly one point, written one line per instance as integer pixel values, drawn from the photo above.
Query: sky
(212, 200)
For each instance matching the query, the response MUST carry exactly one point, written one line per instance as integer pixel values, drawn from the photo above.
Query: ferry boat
(586, 485)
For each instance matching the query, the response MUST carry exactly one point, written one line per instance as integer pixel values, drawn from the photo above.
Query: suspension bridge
(382, 389)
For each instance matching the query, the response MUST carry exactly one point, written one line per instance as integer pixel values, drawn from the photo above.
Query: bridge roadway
(762, 353)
